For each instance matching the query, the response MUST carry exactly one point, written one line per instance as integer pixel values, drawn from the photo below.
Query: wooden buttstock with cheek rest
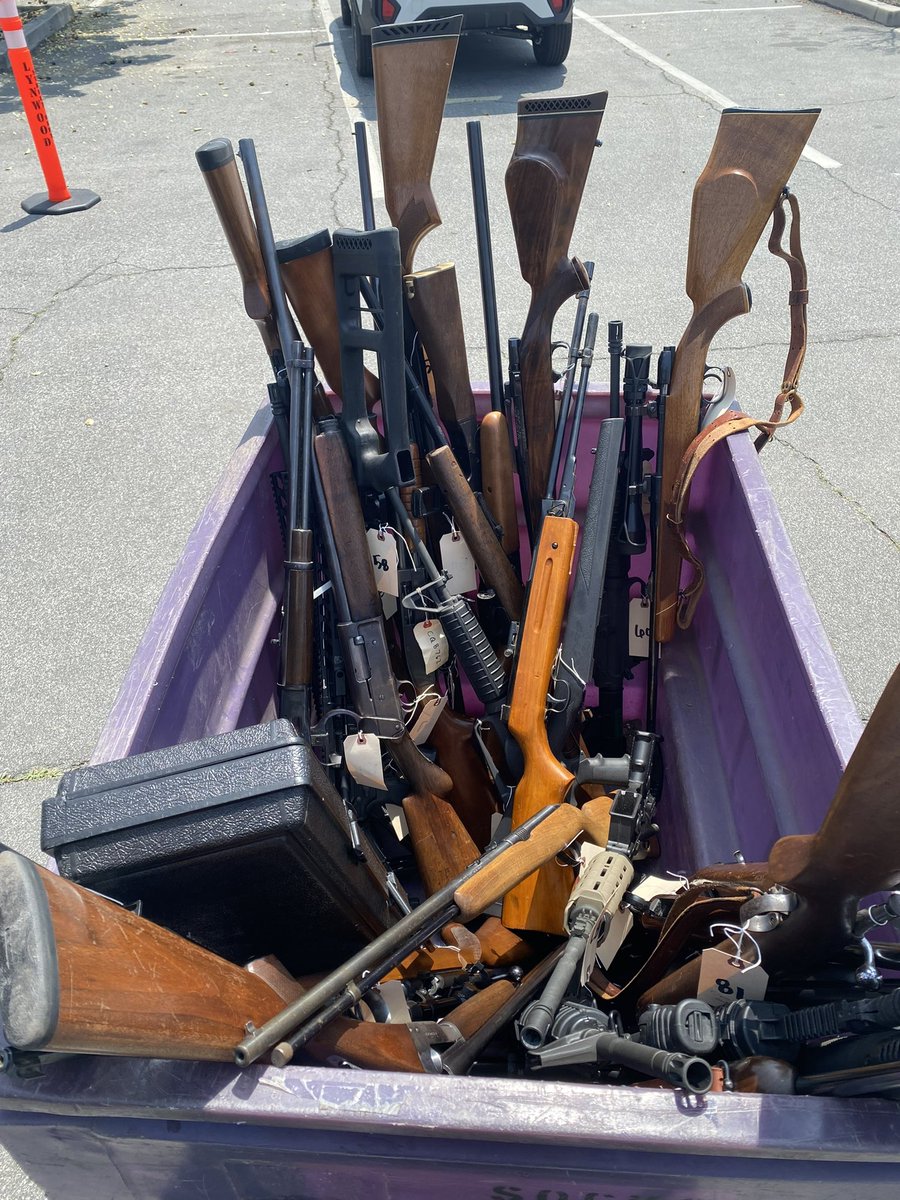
(752, 159)
(412, 65)
(81, 974)
(555, 140)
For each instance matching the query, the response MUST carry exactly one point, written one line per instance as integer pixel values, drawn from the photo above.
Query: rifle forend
(555, 141)
(752, 158)
(412, 66)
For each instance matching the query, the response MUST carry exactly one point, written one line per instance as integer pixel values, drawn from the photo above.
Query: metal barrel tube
(418, 925)
(682, 1070)
(538, 1017)
(485, 264)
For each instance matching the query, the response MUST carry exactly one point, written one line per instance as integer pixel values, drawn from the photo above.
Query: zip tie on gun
(736, 935)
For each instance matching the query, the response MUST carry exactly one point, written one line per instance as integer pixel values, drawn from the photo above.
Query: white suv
(546, 23)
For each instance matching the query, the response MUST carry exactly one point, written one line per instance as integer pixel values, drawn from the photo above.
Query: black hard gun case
(238, 841)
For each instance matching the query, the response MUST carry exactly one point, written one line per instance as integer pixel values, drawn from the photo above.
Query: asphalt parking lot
(129, 371)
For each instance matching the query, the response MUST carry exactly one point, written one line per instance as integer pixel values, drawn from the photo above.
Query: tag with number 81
(724, 978)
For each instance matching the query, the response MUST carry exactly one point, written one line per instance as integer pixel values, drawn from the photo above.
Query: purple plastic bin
(758, 725)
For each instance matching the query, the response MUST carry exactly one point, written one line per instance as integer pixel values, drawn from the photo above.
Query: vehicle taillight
(556, 5)
(389, 10)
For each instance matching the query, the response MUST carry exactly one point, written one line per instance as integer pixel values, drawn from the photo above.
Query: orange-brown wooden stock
(545, 180)
(564, 826)
(497, 472)
(855, 854)
(492, 563)
(127, 986)
(751, 161)
(412, 77)
(538, 903)
(309, 283)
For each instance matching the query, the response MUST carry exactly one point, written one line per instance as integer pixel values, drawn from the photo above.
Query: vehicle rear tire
(345, 12)
(551, 43)
(362, 49)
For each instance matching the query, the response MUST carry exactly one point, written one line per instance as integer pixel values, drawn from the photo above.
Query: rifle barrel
(485, 263)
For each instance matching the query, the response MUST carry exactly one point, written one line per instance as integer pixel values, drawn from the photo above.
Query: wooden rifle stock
(473, 796)
(497, 472)
(751, 161)
(555, 141)
(412, 65)
(307, 272)
(441, 845)
(433, 299)
(538, 902)
(84, 975)
(855, 854)
(493, 565)
(220, 173)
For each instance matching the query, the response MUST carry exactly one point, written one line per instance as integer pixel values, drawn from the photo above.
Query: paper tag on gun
(385, 560)
(362, 754)
(427, 719)
(724, 977)
(457, 561)
(638, 628)
(432, 641)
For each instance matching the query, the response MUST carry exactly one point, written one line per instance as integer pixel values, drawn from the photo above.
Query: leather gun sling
(735, 422)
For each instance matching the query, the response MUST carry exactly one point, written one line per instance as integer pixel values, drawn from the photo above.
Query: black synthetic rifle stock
(611, 655)
(545, 179)
(583, 615)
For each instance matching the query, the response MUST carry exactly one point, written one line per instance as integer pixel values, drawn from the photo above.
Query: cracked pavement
(129, 371)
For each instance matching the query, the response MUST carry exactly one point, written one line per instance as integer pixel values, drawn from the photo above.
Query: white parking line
(707, 12)
(696, 85)
(350, 102)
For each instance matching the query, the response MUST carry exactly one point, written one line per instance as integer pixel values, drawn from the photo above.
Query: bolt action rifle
(752, 158)
(856, 853)
(545, 179)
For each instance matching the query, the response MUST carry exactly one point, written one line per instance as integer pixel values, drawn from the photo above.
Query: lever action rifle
(360, 621)
(555, 141)
(504, 865)
(412, 66)
(855, 854)
(752, 159)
